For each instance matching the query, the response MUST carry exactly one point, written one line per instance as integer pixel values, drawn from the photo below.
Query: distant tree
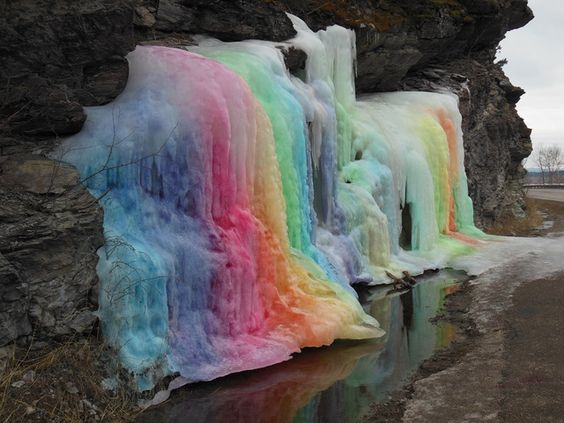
(540, 160)
(549, 160)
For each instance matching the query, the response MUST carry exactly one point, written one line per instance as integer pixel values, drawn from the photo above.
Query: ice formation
(241, 202)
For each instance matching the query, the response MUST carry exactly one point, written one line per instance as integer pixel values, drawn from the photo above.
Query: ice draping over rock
(241, 202)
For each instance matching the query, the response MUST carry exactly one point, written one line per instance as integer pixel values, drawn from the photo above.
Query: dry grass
(514, 226)
(61, 384)
(538, 213)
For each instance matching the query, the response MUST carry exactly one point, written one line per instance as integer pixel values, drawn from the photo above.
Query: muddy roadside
(551, 217)
(506, 368)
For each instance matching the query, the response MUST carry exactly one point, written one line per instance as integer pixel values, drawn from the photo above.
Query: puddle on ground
(332, 384)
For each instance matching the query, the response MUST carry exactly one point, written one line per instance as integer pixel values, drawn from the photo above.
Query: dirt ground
(63, 384)
(552, 214)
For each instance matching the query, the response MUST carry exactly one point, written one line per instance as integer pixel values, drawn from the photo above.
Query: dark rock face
(14, 321)
(61, 55)
(228, 20)
(496, 141)
(56, 57)
(51, 228)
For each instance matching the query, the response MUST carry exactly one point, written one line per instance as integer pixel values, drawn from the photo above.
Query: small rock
(18, 384)
(83, 321)
(89, 407)
(29, 410)
(29, 376)
(144, 17)
(459, 78)
(109, 384)
(71, 388)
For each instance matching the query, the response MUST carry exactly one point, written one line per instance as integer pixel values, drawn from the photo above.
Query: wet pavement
(533, 374)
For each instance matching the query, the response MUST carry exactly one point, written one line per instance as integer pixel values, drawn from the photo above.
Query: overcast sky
(535, 55)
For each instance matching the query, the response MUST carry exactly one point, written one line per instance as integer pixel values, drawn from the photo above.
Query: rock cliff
(58, 56)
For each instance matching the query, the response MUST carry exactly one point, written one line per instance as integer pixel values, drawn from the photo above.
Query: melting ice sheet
(240, 202)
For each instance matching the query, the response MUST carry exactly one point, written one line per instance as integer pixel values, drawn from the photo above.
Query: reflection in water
(333, 384)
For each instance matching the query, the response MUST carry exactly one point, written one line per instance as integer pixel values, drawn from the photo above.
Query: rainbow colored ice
(241, 202)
